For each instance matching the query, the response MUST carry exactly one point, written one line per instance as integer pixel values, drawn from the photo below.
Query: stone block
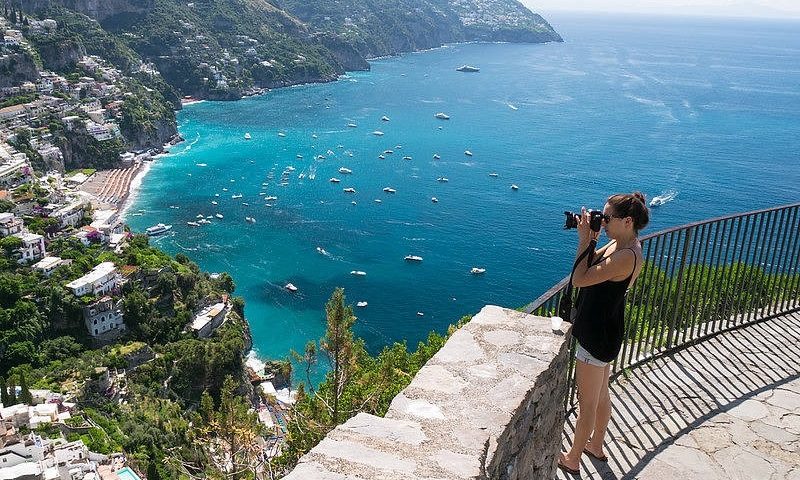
(386, 429)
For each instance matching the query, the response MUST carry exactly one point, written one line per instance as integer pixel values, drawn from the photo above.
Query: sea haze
(704, 109)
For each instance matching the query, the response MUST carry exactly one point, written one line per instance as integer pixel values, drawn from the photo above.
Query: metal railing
(701, 279)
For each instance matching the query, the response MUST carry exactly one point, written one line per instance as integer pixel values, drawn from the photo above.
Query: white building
(102, 279)
(208, 319)
(9, 224)
(47, 265)
(108, 223)
(69, 215)
(103, 316)
(32, 248)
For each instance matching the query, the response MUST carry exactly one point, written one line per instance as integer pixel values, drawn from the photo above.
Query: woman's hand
(585, 233)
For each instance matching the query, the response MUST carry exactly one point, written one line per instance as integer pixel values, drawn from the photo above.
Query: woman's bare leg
(589, 379)
(602, 417)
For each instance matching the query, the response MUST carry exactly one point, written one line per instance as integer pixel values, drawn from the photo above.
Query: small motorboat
(290, 287)
(514, 187)
(247, 136)
(345, 171)
(334, 180)
(468, 69)
(236, 196)
(407, 157)
(412, 258)
(477, 271)
(442, 180)
(389, 190)
(442, 116)
(378, 200)
(271, 198)
(493, 175)
(384, 118)
(358, 273)
(281, 134)
(299, 157)
(381, 156)
(193, 224)
(250, 219)
(361, 304)
(377, 133)
(388, 152)
(352, 125)
(467, 153)
(214, 202)
(349, 190)
(219, 215)
(434, 200)
(436, 156)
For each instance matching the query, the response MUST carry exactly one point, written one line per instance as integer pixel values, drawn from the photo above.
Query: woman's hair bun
(640, 196)
(631, 205)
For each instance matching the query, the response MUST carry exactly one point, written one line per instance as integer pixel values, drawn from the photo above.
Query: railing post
(673, 321)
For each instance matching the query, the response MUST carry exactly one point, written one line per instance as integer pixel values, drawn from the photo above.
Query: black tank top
(599, 325)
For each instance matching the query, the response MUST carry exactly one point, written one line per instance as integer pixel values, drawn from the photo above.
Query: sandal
(571, 471)
(601, 458)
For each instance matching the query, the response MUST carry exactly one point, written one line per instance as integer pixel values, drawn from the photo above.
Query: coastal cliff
(223, 49)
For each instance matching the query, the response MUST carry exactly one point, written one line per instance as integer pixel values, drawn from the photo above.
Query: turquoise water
(705, 108)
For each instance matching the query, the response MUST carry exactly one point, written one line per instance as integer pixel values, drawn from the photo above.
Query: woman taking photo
(599, 325)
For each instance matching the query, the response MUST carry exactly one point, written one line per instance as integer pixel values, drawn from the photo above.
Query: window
(95, 321)
(95, 331)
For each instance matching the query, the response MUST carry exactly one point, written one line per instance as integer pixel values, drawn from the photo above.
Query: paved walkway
(727, 408)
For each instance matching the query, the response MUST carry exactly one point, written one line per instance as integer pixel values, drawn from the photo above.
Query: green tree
(24, 394)
(152, 471)
(10, 245)
(4, 392)
(12, 391)
(338, 345)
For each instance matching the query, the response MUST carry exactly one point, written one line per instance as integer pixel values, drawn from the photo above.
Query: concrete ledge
(488, 405)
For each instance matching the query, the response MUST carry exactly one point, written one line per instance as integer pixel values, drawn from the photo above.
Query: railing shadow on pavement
(657, 403)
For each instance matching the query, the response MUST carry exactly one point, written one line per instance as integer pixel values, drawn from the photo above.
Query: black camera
(596, 218)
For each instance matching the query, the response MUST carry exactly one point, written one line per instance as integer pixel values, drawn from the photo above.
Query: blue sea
(704, 111)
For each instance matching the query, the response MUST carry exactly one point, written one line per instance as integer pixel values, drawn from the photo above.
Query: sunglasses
(607, 218)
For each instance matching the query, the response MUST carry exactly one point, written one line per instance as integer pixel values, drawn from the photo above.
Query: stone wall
(488, 405)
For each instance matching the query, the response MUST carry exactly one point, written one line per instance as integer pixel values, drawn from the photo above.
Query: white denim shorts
(581, 354)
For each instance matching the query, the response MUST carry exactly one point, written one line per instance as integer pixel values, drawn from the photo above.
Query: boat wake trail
(665, 197)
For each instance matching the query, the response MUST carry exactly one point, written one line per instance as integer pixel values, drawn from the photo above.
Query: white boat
(199, 215)
(225, 189)
(334, 180)
(468, 69)
(239, 195)
(413, 258)
(201, 164)
(321, 251)
(420, 314)
(442, 180)
(245, 204)
(442, 116)
(381, 157)
(352, 125)
(313, 135)
(436, 156)
(398, 147)
(216, 194)
(378, 200)
(158, 229)
(299, 156)
(281, 134)
(389, 190)
(353, 202)
(388, 152)
(219, 215)
(477, 271)
(214, 202)
(290, 287)
(514, 187)
(377, 133)
(434, 200)
(270, 198)
(493, 174)
(247, 136)
(467, 153)
(250, 219)
(193, 224)
(204, 221)
(361, 304)
(407, 157)
(384, 118)
(345, 170)
(290, 169)
(350, 190)
(358, 273)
